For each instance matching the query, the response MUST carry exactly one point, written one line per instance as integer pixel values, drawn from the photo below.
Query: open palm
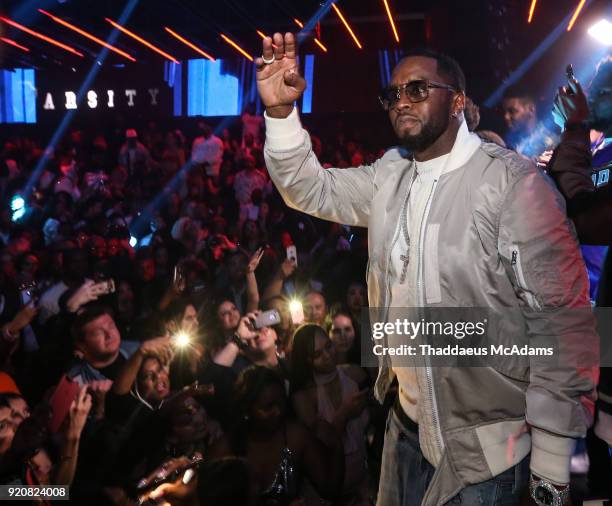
(279, 83)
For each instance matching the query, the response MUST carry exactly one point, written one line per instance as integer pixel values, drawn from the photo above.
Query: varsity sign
(107, 99)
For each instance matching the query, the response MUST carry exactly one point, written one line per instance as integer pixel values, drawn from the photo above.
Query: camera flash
(182, 339)
(297, 312)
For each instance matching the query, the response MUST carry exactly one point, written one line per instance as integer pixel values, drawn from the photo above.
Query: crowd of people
(134, 274)
(130, 285)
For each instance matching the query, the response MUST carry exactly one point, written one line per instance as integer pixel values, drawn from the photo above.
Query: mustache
(406, 115)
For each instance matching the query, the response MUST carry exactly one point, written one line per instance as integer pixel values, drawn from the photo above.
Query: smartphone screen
(292, 254)
(26, 296)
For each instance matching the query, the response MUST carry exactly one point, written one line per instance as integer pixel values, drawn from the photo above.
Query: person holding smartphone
(254, 343)
(581, 167)
(582, 161)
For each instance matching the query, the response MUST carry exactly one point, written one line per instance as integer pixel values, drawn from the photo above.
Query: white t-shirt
(49, 301)
(208, 151)
(404, 294)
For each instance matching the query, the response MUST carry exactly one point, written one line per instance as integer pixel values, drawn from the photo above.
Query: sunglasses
(415, 91)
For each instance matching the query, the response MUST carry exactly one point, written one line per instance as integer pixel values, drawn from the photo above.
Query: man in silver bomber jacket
(461, 224)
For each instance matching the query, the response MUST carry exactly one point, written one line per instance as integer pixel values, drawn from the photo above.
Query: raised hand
(279, 83)
(246, 330)
(79, 409)
(570, 105)
(254, 260)
(22, 319)
(160, 347)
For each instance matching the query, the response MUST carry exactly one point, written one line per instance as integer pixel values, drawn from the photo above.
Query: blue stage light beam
(144, 217)
(68, 117)
(26, 11)
(137, 228)
(495, 97)
(309, 26)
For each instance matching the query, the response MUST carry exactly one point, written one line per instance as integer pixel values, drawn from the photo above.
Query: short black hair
(87, 315)
(250, 384)
(176, 309)
(521, 92)
(447, 66)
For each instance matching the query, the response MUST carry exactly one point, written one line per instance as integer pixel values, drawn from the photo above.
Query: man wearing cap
(134, 157)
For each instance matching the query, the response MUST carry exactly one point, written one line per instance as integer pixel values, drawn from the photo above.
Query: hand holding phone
(570, 105)
(62, 398)
(267, 319)
(169, 472)
(292, 254)
(103, 287)
(571, 79)
(178, 280)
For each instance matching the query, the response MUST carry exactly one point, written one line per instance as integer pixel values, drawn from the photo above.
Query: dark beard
(430, 132)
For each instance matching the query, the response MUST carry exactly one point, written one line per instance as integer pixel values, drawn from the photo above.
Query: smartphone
(569, 72)
(297, 312)
(178, 279)
(148, 484)
(26, 296)
(292, 254)
(66, 391)
(267, 319)
(29, 295)
(105, 287)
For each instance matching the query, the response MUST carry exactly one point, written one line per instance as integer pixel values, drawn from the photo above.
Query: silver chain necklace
(404, 220)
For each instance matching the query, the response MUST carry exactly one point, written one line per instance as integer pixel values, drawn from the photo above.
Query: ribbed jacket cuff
(550, 456)
(284, 134)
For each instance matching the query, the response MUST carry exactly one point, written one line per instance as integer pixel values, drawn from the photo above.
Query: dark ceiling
(490, 38)
(199, 21)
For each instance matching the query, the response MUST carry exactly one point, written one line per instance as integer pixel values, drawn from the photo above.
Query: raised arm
(340, 195)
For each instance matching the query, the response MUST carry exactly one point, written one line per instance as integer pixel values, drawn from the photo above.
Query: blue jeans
(405, 475)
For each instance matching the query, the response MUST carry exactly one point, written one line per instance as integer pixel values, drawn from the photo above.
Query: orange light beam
(189, 44)
(87, 34)
(391, 20)
(532, 10)
(317, 41)
(13, 43)
(320, 44)
(263, 36)
(41, 36)
(576, 14)
(236, 46)
(347, 25)
(141, 40)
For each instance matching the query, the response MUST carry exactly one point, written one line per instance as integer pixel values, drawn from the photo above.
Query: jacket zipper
(428, 371)
(517, 268)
